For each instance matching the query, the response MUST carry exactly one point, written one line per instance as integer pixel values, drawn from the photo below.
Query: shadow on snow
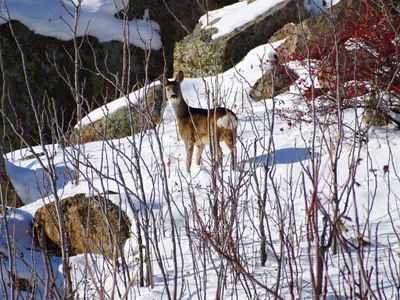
(281, 156)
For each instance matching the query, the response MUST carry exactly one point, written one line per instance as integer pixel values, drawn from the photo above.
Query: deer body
(199, 127)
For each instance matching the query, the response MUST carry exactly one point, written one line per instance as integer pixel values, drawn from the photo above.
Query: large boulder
(375, 117)
(7, 189)
(93, 224)
(299, 35)
(122, 122)
(177, 18)
(274, 81)
(310, 31)
(354, 38)
(43, 55)
(199, 55)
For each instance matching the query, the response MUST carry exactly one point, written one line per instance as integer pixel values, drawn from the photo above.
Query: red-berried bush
(360, 58)
(367, 41)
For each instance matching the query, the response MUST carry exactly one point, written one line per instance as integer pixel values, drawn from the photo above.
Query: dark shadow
(282, 157)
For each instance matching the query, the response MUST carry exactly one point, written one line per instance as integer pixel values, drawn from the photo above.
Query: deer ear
(179, 77)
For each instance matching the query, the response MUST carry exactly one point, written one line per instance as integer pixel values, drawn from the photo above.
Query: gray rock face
(311, 29)
(177, 18)
(93, 225)
(274, 82)
(47, 61)
(125, 121)
(199, 55)
(7, 189)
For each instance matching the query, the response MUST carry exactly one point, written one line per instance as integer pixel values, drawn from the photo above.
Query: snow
(35, 184)
(372, 203)
(331, 3)
(230, 17)
(244, 73)
(291, 155)
(55, 19)
(133, 98)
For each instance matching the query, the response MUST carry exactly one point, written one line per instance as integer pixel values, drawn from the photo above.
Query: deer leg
(216, 149)
(230, 141)
(219, 154)
(189, 154)
(199, 152)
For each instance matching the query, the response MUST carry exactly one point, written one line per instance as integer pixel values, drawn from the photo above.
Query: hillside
(312, 209)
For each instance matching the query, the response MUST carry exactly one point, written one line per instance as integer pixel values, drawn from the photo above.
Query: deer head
(173, 88)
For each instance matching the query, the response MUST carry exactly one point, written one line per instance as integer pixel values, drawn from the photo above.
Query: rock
(177, 18)
(311, 29)
(277, 80)
(47, 84)
(317, 92)
(288, 30)
(7, 189)
(21, 284)
(87, 227)
(222, 3)
(199, 55)
(118, 124)
(297, 36)
(374, 117)
(376, 113)
(155, 102)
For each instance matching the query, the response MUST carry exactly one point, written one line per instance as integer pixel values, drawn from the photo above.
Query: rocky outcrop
(310, 31)
(222, 3)
(299, 35)
(354, 45)
(199, 55)
(155, 103)
(374, 117)
(93, 224)
(7, 189)
(177, 18)
(50, 92)
(122, 122)
(274, 82)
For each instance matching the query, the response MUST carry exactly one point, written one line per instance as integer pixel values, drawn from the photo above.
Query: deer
(199, 127)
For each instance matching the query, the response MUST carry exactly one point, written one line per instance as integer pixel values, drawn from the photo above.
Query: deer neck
(180, 108)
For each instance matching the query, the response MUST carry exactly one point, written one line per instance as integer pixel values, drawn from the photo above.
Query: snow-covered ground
(282, 170)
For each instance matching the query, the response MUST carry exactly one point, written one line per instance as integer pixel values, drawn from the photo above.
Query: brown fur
(196, 125)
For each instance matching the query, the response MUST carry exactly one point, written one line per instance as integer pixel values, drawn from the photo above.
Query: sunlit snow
(56, 19)
(110, 165)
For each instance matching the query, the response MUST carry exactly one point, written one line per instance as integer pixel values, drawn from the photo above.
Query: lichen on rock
(199, 55)
(126, 121)
(93, 224)
(274, 81)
